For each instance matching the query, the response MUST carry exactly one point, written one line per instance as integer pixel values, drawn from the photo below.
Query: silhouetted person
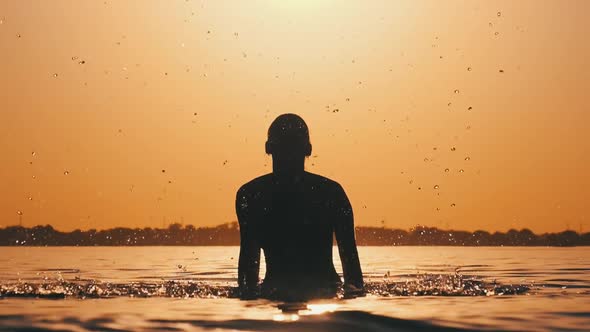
(293, 215)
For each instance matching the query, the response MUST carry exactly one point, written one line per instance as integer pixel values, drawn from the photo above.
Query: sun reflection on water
(285, 317)
(307, 310)
(318, 309)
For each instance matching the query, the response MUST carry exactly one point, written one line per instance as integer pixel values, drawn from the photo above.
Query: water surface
(193, 288)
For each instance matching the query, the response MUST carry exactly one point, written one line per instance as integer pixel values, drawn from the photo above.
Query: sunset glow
(454, 114)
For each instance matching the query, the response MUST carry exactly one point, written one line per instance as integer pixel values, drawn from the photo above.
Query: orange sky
(105, 95)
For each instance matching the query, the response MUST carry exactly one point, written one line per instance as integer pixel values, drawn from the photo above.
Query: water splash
(412, 285)
(443, 285)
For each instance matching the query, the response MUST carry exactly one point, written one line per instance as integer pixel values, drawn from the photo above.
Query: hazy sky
(139, 113)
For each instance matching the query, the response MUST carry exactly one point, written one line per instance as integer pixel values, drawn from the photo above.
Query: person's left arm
(344, 230)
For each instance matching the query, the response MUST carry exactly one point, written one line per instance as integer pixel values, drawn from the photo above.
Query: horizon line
(236, 224)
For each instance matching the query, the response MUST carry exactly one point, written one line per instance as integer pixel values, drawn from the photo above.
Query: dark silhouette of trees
(228, 235)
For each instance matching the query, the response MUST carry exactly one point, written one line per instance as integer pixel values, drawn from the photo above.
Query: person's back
(292, 215)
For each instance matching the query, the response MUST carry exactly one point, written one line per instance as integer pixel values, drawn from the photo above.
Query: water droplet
(419, 188)
(81, 62)
(74, 58)
(34, 177)
(18, 35)
(499, 14)
(55, 75)
(467, 159)
(453, 148)
(30, 198)
(453, 205)
(19, 212)
(461, 170)
(468, 68)
(496, 33)
(33, 153)
(469, 108)
(447, 170)
(436, 186)
(66, 172)
(456, 91)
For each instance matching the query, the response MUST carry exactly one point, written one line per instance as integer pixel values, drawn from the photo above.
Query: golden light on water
(285, 317)
(310, 310)
(319, 308)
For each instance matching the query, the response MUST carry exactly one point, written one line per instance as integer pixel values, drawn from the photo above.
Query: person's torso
(294, 226)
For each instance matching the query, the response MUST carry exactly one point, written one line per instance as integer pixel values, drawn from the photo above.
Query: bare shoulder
(256, 184)
(323, 182)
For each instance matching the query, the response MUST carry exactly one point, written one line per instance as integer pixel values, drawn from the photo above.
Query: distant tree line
(229, 235)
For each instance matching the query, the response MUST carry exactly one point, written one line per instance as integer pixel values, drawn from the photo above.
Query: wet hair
(288, 134)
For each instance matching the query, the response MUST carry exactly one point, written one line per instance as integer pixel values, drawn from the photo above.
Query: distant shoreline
(228, 235)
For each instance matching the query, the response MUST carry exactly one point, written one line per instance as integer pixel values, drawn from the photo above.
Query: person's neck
(288, 168)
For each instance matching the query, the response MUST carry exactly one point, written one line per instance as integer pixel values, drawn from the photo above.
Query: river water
(193, 288)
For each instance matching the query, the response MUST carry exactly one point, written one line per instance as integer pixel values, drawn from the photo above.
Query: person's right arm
(249, 261)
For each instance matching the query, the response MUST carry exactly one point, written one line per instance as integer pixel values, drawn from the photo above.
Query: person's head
(288, 137)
